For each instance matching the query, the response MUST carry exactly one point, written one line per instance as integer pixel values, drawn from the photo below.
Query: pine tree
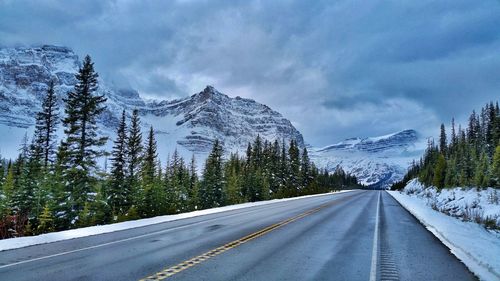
(275, 169)
(495, 131)
(149, 159)
(451, 177)
(3, 170)
(100, 209)
(442, 140)
(85, 216)
(147, 197)
(193, 187)
(81, 144)
(46, 221)
(247, 185)
(233, 174)
(440, 172)
(232, 186)
(134, 150)
(284, 171)
(294, 155)
(25, 181)
(262, 183)
(9, 183)
(305, 169)
(119, 193)
(454, 139)
(211, 188)
(257, 155)
(495, 168)
(46, 126)
(176, 184)
(468, 158)
(481, 175)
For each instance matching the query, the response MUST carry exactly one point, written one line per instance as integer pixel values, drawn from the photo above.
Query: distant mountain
(190, 124)
(376, 161)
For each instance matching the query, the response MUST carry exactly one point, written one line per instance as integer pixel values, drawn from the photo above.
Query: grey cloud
(335, 68)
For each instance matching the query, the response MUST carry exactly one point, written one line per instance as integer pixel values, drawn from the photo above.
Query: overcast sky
(336, 69)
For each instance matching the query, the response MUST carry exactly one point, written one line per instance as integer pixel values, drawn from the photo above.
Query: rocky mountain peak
(209, 93)
(375, 161)
(189, 124)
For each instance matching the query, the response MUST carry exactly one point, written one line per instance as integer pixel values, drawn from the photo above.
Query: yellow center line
(167, 272)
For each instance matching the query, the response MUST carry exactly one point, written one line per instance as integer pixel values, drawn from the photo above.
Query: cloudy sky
(336, 69)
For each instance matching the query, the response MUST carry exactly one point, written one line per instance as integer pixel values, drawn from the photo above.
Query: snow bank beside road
(475, 246)
(469, 204)
(20, 242)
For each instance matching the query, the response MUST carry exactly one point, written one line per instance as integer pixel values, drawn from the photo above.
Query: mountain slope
(190, 124)
(376, 161)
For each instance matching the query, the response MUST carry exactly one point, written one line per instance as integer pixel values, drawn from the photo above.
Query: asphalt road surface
(357, 235)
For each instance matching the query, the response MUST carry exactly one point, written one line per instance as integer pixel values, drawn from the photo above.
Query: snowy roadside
(470, 242)
(20, 242)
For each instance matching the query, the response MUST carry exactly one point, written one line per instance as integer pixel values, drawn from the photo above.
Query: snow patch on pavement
(477, 247)
(20, 242)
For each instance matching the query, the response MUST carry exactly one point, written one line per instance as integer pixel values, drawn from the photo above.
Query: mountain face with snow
(189, 125)
(376, 161)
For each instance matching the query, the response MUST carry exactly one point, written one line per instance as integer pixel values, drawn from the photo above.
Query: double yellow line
(167, 272)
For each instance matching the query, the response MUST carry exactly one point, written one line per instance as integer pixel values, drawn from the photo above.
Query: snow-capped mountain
(376, 161)
(190, 124)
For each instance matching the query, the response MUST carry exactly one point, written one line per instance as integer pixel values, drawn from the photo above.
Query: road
(357, 235)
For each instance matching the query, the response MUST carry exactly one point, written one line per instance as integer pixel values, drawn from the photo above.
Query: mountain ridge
(376, 161)
(189, 124)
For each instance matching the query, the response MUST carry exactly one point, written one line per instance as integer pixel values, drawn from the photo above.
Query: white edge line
(373, 270)
(112, 242)
(120, 241)
(469, 260)
(10, 244)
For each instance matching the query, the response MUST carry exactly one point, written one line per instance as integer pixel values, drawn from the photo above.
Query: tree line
(54, 186)
(467, 157)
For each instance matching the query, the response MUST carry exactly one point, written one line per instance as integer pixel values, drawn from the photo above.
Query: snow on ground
(20, 242)
(477, 247)
(469, 204)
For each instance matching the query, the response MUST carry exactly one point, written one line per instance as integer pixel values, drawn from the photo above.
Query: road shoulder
(471, 243)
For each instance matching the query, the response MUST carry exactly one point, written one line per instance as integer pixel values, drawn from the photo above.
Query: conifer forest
(59, 184)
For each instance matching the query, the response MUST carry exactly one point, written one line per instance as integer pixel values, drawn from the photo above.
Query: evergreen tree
(211, 188)
(294, 155)
(442, 140)
(177, 184)
(8, 186)
(46, 221)
(46, 125)
(134, 147)
(232, 188)
(495, 167)
(247, 185)
(274, 179)
(439, 172)
(305, 169)
(3, 170)
(469, 159)
(193, 186)
(257, 153)
(454, 138)
(284, 171)
(119, 193)
(149, 159)
(81, 144)
(27, 171)
(134, 160)
(150, 191)
(481, 175)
